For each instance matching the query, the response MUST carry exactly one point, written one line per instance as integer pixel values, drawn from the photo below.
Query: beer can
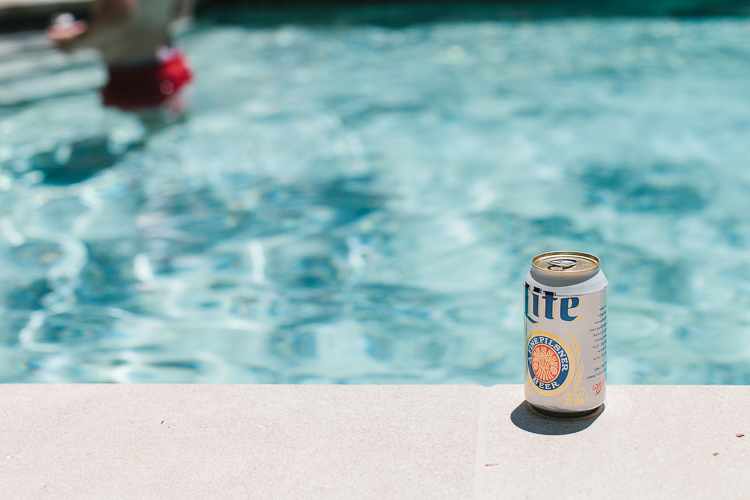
(566, 334)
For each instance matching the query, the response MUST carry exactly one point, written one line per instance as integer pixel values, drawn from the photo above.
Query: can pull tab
(561, 264)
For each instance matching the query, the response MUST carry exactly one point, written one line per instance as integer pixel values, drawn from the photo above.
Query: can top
(564, 268)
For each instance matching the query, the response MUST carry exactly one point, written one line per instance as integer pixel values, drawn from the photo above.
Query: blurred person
(147, 72)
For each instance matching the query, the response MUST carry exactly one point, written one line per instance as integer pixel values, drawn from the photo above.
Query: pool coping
(332, 441)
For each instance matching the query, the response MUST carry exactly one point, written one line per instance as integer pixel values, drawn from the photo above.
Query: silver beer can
(566, 334)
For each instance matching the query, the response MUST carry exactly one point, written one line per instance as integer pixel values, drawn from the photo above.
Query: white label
(566, 345)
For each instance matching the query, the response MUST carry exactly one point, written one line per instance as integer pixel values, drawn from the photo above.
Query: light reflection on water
(360, 204)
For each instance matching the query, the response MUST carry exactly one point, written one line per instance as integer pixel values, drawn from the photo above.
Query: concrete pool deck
(415, 442)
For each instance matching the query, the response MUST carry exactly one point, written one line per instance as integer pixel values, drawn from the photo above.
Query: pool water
(359, 203)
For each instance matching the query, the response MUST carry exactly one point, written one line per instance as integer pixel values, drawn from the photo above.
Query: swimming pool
(359, 204)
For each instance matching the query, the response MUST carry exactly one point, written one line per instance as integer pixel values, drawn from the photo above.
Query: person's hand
(65, 30)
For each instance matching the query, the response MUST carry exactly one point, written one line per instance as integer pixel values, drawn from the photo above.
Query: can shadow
(526, 418)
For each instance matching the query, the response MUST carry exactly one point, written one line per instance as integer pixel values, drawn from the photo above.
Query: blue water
(359, 204)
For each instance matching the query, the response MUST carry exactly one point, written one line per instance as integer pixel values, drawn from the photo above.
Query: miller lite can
(566, 334)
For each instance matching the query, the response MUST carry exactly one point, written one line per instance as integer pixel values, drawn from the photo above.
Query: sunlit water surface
(359, 204)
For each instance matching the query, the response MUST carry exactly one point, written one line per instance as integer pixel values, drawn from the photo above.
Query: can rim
(580, 255)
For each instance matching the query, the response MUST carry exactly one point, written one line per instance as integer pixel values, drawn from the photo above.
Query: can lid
(566, 263)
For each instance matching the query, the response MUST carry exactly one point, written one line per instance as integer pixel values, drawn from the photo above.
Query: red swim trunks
(147, 85)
